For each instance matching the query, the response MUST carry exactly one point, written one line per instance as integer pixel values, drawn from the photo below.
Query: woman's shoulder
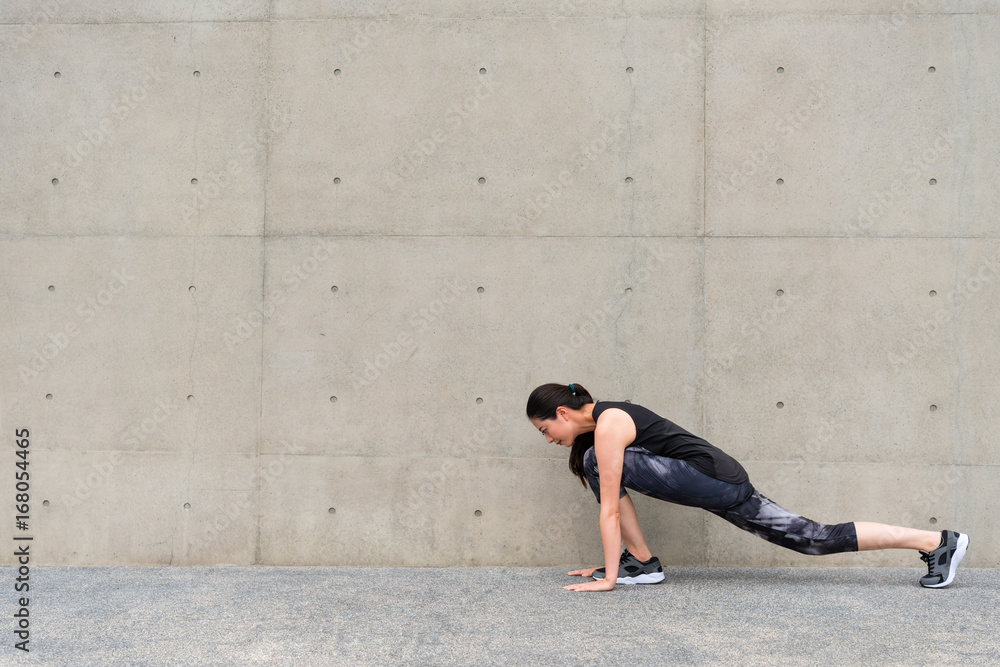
(622, 421)
(641, 416)
(625, 406)
(628, 408)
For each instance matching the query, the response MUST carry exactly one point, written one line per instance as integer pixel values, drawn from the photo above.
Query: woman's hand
(587, 572)
(597, 585)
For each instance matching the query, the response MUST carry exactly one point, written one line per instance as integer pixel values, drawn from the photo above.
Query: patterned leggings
(676, 481)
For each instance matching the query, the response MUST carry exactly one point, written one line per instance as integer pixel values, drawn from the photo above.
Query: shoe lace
(926, 557)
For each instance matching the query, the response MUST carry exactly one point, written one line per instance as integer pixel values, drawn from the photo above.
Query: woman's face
(558, 430)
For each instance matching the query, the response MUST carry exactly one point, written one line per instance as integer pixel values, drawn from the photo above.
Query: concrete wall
(279, 276)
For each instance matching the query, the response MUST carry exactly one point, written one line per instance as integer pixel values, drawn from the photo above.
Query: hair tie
(572, 390)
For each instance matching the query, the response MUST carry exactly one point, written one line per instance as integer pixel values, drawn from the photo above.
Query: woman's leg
(872, 536)
(663, 478)
(766, 519)
(676, 481)
(627, 517)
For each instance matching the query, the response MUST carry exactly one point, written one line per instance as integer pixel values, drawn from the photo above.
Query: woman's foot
(631, 570)
(943, 561)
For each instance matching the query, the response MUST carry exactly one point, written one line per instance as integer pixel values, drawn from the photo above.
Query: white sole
(650, 578)
(960, 549)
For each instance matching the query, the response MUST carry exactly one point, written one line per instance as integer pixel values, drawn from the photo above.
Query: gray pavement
(501, 616)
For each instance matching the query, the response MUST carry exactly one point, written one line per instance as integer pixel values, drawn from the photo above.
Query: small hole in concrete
(190, 397)
(780, 181)
(55, 181)
(628, 179)
(191, 288)
(628, 290)
(197, 73)
(931, 69)
(781, 70)
(933, 292)
(336, 72)
(332, 510)
(933, 181)
(45, 503)
(57, 74)
(627, 400)
(337, 180)
(333, 399)
(933, 519)
(933, 408)
(194, 181)
(334, 288)
(187, 506)
(480, 290)
(52, 288)
(780, 292)
(482, 70)
(628, 70)
(479, 512)
(479, 400)
(48, 396)
(780, 405)
(481, 180)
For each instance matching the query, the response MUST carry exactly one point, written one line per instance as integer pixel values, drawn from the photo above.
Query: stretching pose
(617, 445)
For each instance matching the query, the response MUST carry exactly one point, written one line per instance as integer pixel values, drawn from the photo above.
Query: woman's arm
(631, 533)
(611, 437)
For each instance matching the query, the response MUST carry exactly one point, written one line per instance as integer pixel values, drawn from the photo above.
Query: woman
(617, 445)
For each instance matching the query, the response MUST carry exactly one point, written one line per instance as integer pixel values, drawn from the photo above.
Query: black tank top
(665, 438)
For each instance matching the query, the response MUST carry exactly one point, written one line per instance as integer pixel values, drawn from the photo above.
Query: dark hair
(542, 405)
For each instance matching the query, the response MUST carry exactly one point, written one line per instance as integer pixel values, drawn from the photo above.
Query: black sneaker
(943, 561)
(631, 570)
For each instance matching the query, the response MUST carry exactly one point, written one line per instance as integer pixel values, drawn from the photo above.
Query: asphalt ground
(499, 616)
